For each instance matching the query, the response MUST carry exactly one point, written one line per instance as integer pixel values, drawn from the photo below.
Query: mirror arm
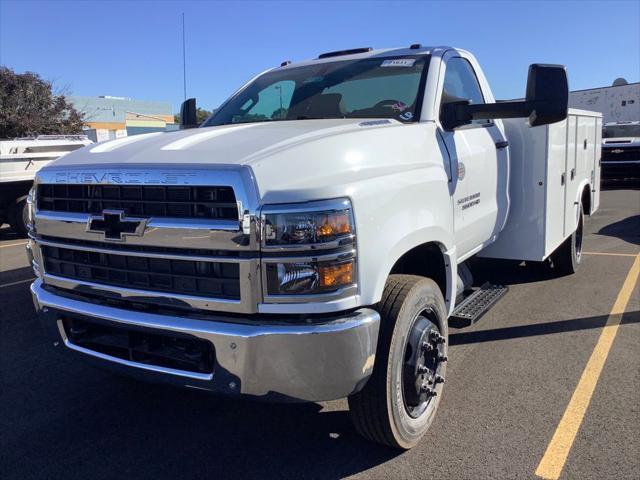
(498, 110)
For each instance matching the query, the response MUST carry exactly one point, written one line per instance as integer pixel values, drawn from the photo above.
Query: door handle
(573, 173)
(502, 144)
(562, 179)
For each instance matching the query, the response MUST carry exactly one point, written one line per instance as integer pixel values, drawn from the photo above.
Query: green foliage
(28, 107)
(201, 115)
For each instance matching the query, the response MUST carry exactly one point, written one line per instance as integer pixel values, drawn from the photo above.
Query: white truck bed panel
(549, 168)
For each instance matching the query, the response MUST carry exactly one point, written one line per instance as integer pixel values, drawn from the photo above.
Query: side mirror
(546, 101)
(547, 94)
(188, 114)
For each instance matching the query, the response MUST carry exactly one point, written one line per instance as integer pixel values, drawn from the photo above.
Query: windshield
(617, 131)
(381, 87)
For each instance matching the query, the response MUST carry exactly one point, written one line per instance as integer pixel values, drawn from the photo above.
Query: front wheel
(398, 403)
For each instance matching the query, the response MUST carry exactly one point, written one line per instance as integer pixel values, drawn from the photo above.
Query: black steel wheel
(399, 402)
(423, 365)
(566, 259)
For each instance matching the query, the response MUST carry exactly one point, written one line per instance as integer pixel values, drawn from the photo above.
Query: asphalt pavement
(510, 378)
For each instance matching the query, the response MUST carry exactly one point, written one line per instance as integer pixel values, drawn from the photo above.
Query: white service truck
(309, 241)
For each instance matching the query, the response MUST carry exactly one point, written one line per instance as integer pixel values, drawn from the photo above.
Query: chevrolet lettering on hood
(125, 178)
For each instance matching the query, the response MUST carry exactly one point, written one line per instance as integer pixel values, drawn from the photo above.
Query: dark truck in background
(621, 150)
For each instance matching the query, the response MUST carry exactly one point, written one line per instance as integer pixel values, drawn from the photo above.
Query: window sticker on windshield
(406, 116)
(399, 62)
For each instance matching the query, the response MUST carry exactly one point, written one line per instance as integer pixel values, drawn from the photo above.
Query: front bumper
(620, 169)
(303, 362)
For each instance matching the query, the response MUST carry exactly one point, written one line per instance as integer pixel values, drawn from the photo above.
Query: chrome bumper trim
(309, 362)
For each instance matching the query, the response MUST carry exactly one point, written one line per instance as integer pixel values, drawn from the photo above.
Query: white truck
(308, 241)
(20, 159)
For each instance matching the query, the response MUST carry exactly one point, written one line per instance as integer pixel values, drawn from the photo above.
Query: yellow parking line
(16, 283)
(555, 457)
(13, 245)
(612, 254)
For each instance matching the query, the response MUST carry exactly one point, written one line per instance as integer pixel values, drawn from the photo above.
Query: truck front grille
(218, 202)
(189, 277)
(621, 154)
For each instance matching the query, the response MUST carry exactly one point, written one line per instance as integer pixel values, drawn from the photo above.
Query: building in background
(618, 103)
(108, 117)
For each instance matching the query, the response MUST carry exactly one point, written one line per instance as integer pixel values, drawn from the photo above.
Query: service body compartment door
(557, 184)
(569, 214)
(595, 178)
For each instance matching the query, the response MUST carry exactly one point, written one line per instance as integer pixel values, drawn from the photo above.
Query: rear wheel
(398, 403)
(19, 216)
(566, 259)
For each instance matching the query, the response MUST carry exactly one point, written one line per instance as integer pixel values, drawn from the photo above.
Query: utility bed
(551, 167)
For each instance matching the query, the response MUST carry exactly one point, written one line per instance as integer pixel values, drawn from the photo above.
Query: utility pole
(184, 61)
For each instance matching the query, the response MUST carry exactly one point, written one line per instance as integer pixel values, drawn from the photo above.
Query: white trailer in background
(618, 103)
(20, 159)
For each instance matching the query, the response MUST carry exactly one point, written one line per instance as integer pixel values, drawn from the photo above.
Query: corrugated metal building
(114, 117)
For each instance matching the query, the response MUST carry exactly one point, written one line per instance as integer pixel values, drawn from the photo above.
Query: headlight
(310, 277)
(309, 226)
(326, 232)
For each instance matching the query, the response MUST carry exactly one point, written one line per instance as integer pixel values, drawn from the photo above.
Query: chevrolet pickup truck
(621, 150)
(309, 241)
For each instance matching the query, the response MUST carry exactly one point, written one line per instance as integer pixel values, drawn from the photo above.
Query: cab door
(479, 162)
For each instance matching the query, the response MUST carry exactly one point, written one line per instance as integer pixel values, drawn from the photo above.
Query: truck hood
(289, 160)
(240, 144)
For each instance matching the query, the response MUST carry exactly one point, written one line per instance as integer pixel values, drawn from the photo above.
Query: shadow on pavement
(16, 275)
(123, 428)
(536, 329)
(627, 230)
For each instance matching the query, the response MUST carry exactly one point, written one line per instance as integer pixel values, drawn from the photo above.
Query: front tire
(400, 400)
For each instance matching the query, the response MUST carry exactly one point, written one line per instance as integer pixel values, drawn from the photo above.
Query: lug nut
(423, 369)
(427, 347)
(443, 358)
(428, 390)
(439, 379)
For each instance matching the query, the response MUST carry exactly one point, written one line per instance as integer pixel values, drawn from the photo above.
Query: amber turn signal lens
(333, 224)
(336, 275)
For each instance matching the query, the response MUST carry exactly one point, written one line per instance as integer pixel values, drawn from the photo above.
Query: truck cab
(302, 244)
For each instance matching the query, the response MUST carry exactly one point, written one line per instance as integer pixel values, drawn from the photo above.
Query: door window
(461, 83)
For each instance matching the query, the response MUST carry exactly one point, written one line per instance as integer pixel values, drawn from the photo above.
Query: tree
(201, 115)
(28, 106)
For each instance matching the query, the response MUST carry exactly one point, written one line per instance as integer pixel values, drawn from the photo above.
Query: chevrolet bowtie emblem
(115, 225)
(617, 150)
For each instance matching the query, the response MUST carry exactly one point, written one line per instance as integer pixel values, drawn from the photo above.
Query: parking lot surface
(510, 379)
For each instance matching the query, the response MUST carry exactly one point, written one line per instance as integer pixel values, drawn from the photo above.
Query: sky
(134, 49)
